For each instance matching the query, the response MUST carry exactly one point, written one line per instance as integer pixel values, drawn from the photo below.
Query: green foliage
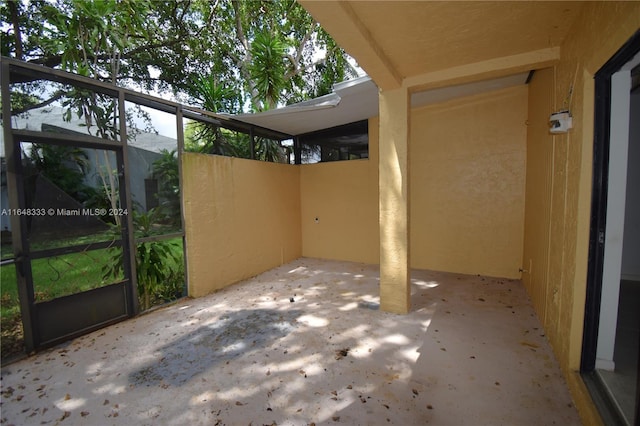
(214, 96)
(223, 56)
(209, 139)
(159, 264)
(98, 111)
(90, 36)
(267, 69)
(65, 167)
(270, 150)
(166, 170)
(152, 268)
(257, 53)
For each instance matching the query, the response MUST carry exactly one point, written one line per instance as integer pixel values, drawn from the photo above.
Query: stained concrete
(302, 344)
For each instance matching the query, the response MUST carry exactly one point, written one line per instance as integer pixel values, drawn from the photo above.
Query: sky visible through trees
(225, 56)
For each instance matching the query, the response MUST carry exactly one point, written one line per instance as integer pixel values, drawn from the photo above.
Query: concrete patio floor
(305, 344)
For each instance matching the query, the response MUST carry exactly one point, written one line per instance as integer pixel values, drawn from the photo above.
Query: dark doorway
(610, 356)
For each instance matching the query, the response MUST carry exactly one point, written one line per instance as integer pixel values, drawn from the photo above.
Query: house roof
(53, 116)
(357, 100)
(350, 101)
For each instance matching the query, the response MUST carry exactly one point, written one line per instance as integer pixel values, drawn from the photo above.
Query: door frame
(597, 234)
(126, 290)
(62, 318)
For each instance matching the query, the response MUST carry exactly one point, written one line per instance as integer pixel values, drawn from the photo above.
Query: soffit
(393, 40)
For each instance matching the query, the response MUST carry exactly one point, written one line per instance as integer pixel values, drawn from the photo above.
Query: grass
(73, 273)
(7, 251)
(10, 321)
(54, 277)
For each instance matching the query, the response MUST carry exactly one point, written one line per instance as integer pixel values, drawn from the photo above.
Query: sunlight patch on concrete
(68, 403)
(348, 307)
(397, 339)
(313, 321)
(110, 389)
(295, 364)
(202, 398)
(411, 353)
(428, 284)
(94, 368)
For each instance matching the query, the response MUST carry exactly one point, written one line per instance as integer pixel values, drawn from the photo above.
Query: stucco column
(393, 181)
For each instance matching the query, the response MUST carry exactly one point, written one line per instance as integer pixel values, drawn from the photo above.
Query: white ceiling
(357, 100)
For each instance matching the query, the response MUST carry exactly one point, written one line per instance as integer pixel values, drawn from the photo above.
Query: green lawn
(55, 277)
(61, 275)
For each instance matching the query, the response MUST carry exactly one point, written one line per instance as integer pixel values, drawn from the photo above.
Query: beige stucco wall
(600, 30)
(467, 176)
(540, 151)
(242, 217)
(343, 195)
(467, 167)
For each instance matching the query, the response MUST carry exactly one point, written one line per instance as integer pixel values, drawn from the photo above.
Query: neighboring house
(144, 149)
(474, 184)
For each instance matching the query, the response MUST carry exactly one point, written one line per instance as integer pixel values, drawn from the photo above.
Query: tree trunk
(15, 20)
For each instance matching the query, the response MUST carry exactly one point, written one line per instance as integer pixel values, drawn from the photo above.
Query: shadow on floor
(237, 333)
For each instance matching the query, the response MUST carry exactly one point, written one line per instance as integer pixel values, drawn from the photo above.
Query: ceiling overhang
(434, 50)
(425, 45)
(339, 16)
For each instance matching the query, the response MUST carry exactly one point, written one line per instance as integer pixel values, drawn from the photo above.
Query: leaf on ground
(341, 353)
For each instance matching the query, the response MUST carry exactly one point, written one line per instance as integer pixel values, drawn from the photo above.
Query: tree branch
(243, 63)
(239, 30)
(304, 41)
(57, 95)
(55, 60)
(297, 70)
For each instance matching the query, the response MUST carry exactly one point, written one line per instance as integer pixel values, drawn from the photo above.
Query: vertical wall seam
(551, 209)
